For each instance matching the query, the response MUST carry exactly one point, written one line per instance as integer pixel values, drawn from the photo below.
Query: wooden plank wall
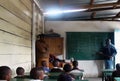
(15, 33)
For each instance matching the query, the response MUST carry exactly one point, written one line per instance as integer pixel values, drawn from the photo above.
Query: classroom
(21, 21)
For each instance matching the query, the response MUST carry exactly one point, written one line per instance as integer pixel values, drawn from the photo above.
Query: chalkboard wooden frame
(85, 45)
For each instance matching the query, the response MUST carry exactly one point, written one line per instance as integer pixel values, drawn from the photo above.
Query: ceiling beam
(101, 9)
(117, 3)
(92, 6)
(91, 2)
(101, 5)
(117, 15)
(105, 18)
(93, 15)
(99, 18)
(78, 18)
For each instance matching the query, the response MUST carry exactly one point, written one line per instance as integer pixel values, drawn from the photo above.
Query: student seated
(78, 73)
(37, 74)
(75, 66)
(44, 66)
(56, 67)
(20, 72)
(5, 73)
(116, 73)
(66, 76)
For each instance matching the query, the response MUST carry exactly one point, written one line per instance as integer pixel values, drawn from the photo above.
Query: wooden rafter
(101, 9)
(79, 18)
(93, 15)
(93, 6)
(102, 5)
(105, 18)
(117, 16)
(116, 4)
(118, 1)
(91, 2)
(95, 18)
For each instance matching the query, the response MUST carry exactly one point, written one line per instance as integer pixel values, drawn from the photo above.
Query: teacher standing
(108, 52)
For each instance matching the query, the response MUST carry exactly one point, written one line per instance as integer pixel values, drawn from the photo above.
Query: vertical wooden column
(33, 37)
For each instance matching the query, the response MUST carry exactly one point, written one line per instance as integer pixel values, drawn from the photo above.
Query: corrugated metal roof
(95, 9)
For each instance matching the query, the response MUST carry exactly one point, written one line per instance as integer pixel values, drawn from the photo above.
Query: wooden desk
(117, 78)
(14, 79)
(106, 73)
(78, 76)
(54, 75)
(18, 79)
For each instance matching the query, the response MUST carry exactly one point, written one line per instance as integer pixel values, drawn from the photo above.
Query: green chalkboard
(85, 45)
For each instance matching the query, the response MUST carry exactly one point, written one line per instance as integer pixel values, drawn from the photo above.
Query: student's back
(44, 66)
(75, 66)
(20, 72)
(37, 74)
(56, 67)
(116, 73)
(78, 73)
(5, 73)
(65, 76)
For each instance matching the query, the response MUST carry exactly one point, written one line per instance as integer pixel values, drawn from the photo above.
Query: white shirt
(35, 80)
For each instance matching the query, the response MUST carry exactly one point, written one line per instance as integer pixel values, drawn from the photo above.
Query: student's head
(118, 66)
(75, 63)
(55, 63)
(5, 73)
(44, 63)
(108, 41)
(20, 71)
(67, 67)
(37, 73)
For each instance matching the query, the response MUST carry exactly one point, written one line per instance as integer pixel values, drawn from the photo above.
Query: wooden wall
(15, 33)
